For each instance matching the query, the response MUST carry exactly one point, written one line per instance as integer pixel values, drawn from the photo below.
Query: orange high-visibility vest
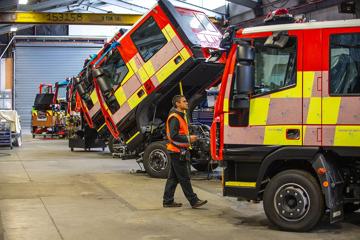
(183, 130)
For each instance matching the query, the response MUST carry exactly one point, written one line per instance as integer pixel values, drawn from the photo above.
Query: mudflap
(327, 172)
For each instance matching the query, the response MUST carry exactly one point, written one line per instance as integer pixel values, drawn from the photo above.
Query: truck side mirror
(103, 84)
(81, 90)
(244, 77)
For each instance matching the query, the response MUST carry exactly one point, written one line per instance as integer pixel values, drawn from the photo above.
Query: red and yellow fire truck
(85, 89)
(287, 120)
(165, 53)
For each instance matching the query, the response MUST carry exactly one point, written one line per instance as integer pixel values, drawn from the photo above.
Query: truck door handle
(293, 134)
(140, 93)
(177, 60)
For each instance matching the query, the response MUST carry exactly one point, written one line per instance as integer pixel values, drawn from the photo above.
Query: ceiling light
(23, 1)
(13, 29)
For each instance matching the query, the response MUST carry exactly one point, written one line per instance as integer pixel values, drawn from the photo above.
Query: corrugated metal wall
(37, 63)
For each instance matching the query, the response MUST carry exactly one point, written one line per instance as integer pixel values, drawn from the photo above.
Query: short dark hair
(176, 99)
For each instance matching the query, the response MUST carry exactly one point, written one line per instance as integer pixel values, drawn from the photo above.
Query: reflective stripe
(240, 184)
(132, 138)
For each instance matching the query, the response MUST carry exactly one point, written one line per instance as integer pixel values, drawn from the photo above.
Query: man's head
(179, 102)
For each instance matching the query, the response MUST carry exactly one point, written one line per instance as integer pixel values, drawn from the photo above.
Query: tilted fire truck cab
(85, 88)
(165, 53)
(287, 120)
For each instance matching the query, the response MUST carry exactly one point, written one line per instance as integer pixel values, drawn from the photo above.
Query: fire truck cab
(287, 120)
(165, 53)
(85, 88)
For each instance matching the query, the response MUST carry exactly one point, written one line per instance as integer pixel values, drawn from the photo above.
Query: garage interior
(48, 191)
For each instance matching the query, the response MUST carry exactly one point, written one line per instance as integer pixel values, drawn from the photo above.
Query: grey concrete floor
(50, 193)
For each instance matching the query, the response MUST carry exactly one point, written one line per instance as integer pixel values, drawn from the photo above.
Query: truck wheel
(17, 141)
(156, 160)
(204, 167)
(293, 201)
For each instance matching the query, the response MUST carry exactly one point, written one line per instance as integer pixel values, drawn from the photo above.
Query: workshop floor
(48, 192)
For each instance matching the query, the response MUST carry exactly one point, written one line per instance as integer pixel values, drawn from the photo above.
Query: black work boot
(199, 203)
(171, 205)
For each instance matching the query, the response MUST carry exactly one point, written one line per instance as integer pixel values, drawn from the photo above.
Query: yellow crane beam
(70, 18)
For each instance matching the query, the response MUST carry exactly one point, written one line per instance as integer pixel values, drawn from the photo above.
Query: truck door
(158, 56)
(341, 87)
(312, 90)
(275, 113)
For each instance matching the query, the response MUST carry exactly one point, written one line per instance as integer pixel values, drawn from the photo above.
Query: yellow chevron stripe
(134, 100)
(276, 135)
(348, 136)
(120, 96)
(94, 97)
(170, 31)
(128, 75)
(330, 111)
(170, 66)
(149, 68)
(308, 78)
(314, 113)
(259, 109)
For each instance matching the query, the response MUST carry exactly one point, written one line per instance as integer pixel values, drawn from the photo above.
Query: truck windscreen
(202, 27)
(115, 69)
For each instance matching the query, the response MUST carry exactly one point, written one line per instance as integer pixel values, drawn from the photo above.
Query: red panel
(312, 50)
(149, 86)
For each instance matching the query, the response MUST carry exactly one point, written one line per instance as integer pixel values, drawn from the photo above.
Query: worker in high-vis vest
(179, 142)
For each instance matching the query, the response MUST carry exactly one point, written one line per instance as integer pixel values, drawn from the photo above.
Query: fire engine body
(85, 89)
(160, 56)
(287, 120)
(41, 114)
(49, 110)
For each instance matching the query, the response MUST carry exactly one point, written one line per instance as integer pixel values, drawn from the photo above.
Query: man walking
(177, 133)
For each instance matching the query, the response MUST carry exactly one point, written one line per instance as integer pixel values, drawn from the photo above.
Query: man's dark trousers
(178, 173)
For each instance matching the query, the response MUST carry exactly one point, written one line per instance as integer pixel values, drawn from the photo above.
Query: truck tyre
(18, 141)
(205, 167)
(156, 160)
(293, 201)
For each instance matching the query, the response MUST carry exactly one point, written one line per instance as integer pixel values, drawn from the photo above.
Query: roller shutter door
(41, 63)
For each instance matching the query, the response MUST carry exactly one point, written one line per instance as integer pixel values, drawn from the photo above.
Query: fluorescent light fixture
(23, 1)
(13, 29)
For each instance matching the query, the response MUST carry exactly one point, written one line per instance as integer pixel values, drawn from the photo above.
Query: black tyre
(205, 167)
(156, 160)
(17, 141)
(293, 201)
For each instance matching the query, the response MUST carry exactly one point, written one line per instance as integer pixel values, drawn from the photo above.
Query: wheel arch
(283, 159)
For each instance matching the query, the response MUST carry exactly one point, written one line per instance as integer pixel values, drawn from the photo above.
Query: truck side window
(115, 68)
(275, 68)
(345, 64)
(148, 39)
